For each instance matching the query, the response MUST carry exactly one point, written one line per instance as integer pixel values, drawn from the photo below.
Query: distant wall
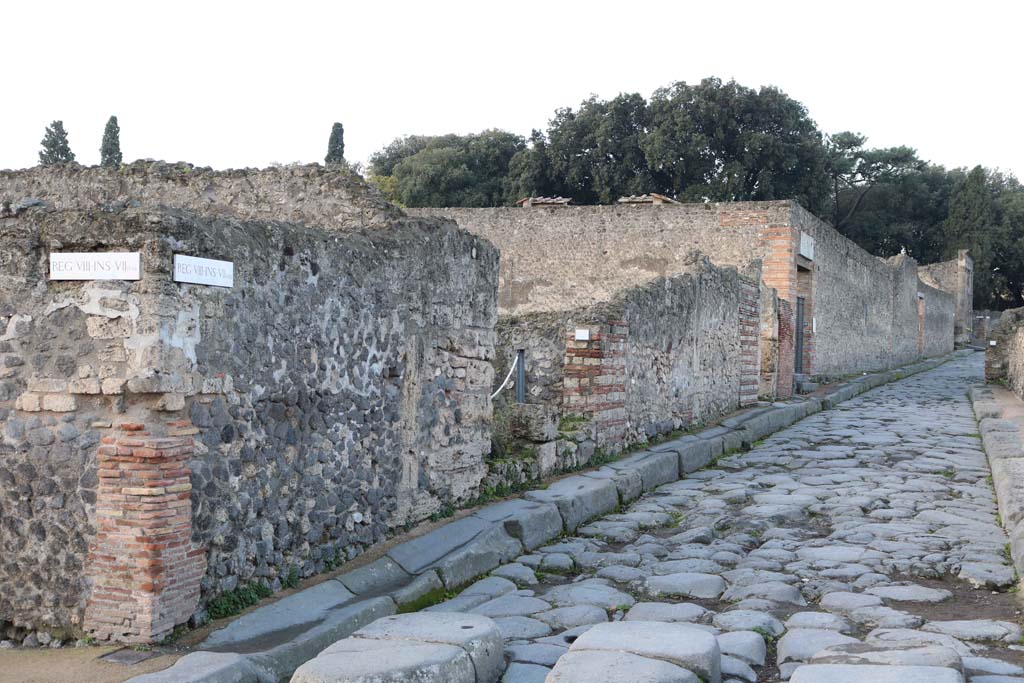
(861, 311)
(956, 277)
(338, 390)
(666, 355)
(1004, 357)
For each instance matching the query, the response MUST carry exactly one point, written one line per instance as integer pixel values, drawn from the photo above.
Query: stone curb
(1004, 448)
(458, 552)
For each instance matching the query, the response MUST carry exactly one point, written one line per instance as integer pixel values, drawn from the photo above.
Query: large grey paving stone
(776, 591)
(368, 661)
(800, 644)
(617, 667)
(868, 673)
(654, 468)
(488, 550)
(905, 635)
(748, 620)
(976, 629)
(845, 602)
(573, 616)
(533, 523)
(545, 654)
(590, 592)
(522, 628)
(693, 452)
(684, 645)
(375, 577)
(819, 620)
(519, 672)
(748, 646)
(284, 658)
(987, 574)
(579, 499)
(685, 585)
(628, 483)
(419, 553)
(665, 611)
(912, 593)
(422, 585)
(206, 667)
(511, 605)
(478, 636)
(308, 606)
(905, 654)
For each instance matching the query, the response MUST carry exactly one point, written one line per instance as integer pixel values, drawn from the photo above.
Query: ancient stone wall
(666, 355)
(955, 276)
(1004, 355)
(939, 321)
(338, 390)
(860, 310)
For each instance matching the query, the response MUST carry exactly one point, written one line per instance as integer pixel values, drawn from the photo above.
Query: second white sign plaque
(203, 271)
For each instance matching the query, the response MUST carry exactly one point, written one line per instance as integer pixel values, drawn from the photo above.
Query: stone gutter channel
(1000, 416)
(268, 644)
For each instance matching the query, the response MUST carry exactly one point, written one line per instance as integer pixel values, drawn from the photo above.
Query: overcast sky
(232, 84)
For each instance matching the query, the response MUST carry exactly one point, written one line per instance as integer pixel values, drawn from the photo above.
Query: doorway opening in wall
(798, 362)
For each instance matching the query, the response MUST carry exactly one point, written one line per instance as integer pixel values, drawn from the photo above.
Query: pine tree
(56, 149)
(336, 146)
(110, 150)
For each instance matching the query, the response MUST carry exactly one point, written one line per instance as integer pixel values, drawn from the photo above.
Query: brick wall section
(144, 567)
(750, 332)
(786, 350)
(594, 377)
(805, 290)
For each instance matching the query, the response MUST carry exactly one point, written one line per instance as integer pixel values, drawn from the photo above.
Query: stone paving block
(417, 588)
(476, 635)
(902, 654)
(628, 483)
(800, 644)
(579, 499)
(534, 524)
(308, 606)
(694, 452)
(374, 577)
(846, 673)
(419, 553)
(206, 667)
(368, 661)
(654, 468)
(683, 645)
(483, 553)
(686, 585)
(617, 667)
(282, 659)
(518, 672)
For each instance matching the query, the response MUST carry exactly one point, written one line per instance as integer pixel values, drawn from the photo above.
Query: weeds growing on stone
(231, 603)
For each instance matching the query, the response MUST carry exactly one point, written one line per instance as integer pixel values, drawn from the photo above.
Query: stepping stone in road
(604, 667)
(686, 585)
(911, 593)
(682, 645)
(847, 673)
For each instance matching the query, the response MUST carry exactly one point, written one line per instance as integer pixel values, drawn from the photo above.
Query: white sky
(231, 84)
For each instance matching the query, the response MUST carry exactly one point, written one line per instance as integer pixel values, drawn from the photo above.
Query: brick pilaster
(750, 332)
(786, 351)
(594, 377)
(144, 567)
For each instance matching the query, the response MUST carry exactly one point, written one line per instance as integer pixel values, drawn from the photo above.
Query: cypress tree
(56, 149)
(336, 146)
(110, 150)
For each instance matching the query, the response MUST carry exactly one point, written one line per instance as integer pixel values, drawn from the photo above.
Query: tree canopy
(110, 148)
(721, 141)
(56, 149)
(336, 145)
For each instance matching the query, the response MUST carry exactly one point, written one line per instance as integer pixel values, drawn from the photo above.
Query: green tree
(336, 146)
(56, 149)
(447, 170)
(855, 170)
(110, 149)
(726, 142)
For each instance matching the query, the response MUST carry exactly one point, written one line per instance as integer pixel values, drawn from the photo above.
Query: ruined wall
(587, 254)
(861, 310)
(939, 320)
(1004, 355)
(662, 356)
(338, 390)
(956, 277)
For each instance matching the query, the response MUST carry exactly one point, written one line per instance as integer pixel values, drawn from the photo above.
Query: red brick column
(787, 350)
(145, 570)
(750, 333)
(594, 376)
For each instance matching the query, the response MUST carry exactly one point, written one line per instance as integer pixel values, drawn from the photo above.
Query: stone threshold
(1000, 416)
(267, 644)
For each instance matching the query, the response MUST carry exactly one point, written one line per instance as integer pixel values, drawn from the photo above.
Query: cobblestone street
(863, 534)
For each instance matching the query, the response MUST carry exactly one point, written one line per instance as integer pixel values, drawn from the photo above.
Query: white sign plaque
(203, 271)
(582, 334)
(109, 265)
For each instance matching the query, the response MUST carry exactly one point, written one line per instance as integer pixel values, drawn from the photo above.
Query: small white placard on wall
(203, 271)
(582, 334)
(107, 265)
